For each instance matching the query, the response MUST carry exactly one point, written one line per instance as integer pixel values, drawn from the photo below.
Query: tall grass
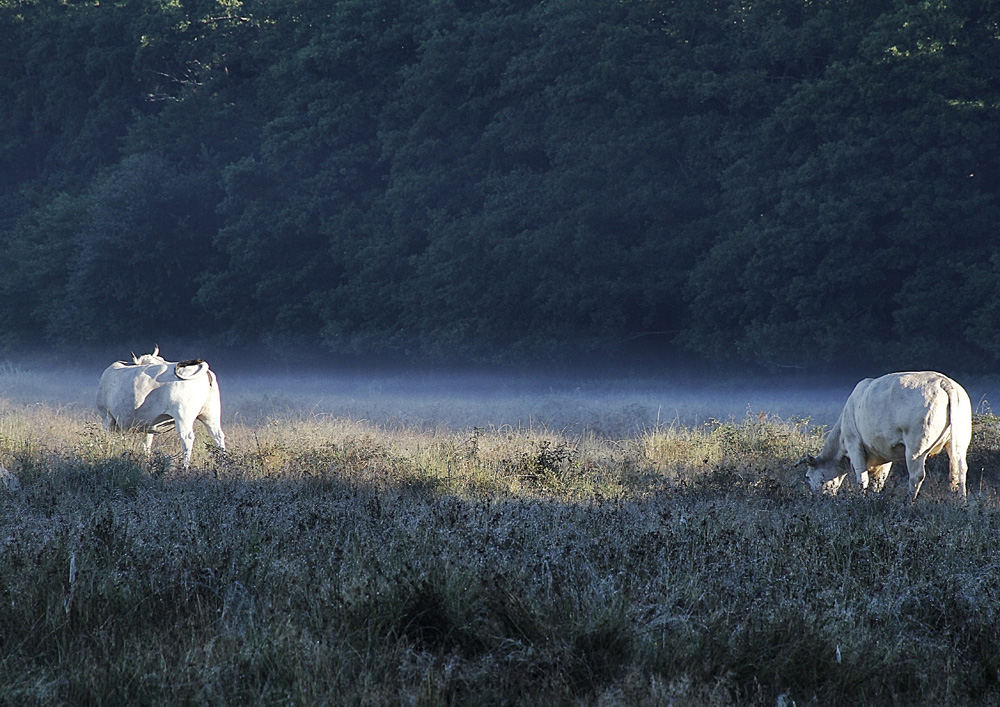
(330, 561)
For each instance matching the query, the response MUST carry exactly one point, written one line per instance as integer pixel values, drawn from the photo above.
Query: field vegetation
(333, 560)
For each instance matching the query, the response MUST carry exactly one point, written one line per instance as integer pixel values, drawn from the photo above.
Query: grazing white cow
(900, 417)
(152, 395)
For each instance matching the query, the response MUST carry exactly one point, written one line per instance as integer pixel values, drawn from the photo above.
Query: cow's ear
(810, 460)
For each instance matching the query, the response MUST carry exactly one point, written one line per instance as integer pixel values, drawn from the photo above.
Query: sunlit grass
(325, 559)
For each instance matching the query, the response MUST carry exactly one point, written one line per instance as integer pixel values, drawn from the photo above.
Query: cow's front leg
(879, 475)
(148, 445)
(860, 465)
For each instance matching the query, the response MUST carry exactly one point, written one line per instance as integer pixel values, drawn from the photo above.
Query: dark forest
(804, 183)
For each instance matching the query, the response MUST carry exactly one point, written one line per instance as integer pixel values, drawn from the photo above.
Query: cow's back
(114, 392)
(911, 408)
(133, 394)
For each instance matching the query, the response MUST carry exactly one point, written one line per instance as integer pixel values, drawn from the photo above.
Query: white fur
(900, 417)
(153, 395)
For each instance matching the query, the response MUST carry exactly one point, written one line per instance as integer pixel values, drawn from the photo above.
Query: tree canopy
(784, 182)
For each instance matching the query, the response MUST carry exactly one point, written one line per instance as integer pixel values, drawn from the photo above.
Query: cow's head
(150, 358)
(825, 475)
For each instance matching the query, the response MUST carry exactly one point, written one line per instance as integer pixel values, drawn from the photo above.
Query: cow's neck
(832, 447)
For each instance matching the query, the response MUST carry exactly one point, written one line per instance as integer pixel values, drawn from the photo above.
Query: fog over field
(605, 402)
(616, 535)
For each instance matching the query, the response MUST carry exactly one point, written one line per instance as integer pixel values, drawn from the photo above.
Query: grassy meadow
(386, 554)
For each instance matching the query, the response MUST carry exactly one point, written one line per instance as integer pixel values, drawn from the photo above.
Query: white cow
(900, 417)
(152, 395)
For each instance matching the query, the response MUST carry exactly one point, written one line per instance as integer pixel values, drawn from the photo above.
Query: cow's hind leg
(108, 421)
(186, 433)
(215, 430)
(915, 466)
(959, 470)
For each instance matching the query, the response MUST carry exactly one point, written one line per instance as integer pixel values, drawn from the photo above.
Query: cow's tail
(956, 422)
(186, 370)
(960, 424)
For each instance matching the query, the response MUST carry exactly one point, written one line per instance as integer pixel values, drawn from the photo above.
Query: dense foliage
(789, 182)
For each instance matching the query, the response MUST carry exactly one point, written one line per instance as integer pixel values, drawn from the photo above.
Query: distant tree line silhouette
(780, 182)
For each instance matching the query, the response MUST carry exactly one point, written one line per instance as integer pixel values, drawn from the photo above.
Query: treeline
(788, 182)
